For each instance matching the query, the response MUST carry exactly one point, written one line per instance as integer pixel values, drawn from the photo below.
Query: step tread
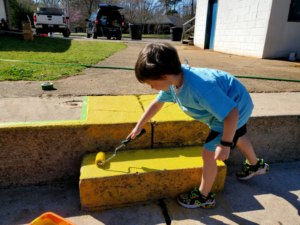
(143, 161)
(113, 110)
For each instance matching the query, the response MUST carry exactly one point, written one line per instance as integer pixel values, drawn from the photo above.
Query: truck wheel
(87, 35)
(119, 37)
(66, 33)
(94, 34)
(108, 36)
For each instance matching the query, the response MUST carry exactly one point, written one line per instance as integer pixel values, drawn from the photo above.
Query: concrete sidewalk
(269, 199)
(70, 108)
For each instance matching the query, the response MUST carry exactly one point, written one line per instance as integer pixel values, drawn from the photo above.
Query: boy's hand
(136, 131)
(222, 153)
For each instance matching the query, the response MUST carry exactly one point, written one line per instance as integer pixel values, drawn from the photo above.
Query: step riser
(111, 192)
(173, 134)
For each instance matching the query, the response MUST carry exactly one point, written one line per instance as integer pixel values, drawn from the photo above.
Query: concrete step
(139, 175)
(189, 42)
(43, 147)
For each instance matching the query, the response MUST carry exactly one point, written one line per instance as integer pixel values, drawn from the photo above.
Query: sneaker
(195, 199)
(249, 171)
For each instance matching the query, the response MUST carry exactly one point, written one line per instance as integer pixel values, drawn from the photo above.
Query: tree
(19, 12)
(166, 4)
(174, 3)
(139, 11)
(75, 15)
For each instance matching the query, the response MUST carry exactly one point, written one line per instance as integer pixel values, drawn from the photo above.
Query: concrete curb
(53, 151)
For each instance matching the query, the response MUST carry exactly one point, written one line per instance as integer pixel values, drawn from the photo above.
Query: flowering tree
(75, 15)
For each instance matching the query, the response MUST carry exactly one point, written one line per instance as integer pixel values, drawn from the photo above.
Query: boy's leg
(202, 197)
(246, 147)
(252, 166)
(210, 170)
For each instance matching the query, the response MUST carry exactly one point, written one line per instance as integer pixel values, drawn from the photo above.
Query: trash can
(136, 30)
(176, 33)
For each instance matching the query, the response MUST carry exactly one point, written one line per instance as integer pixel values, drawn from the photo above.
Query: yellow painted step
(138, 175)
(114, 118)
(175, 128)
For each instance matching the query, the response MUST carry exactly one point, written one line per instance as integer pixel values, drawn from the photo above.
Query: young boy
(211, 96)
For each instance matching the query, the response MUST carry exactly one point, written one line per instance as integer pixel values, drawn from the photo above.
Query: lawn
(49, 50)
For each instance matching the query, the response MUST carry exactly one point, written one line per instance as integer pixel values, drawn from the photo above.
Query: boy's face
(160, 85)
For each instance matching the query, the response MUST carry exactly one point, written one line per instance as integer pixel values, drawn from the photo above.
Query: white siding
(283, 37)
(2, 10)
(241, 26)
(200, 24)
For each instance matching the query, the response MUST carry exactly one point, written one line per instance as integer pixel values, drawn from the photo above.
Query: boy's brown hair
(156, 60)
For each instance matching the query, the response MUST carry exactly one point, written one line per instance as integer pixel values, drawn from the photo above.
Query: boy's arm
(153, 108)
(230, 125)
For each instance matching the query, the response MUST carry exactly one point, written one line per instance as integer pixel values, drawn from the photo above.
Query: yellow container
(50, 218)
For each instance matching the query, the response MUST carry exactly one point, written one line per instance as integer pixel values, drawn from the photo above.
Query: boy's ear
(165, 77)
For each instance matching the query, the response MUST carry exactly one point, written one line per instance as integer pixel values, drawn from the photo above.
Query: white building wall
(283, 37)
(241, 26)
(2, 10)
(200, 23)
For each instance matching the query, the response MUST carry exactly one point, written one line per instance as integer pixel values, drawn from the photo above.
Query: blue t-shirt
(209, 95)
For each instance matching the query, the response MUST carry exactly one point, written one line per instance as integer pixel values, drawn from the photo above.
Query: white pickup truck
(51, 20)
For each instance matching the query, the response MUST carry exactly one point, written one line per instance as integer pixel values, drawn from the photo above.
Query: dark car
(106, 22)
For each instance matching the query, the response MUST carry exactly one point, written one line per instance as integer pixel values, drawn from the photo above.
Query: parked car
(3, 24)
(106, 22)
(51, 20)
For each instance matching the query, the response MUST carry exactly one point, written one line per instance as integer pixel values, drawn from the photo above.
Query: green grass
(49, 50)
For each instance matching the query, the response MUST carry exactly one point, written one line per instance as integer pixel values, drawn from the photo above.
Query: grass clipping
(49, 50)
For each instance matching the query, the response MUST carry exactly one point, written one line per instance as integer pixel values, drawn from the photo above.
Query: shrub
(166, 29)
(19, 12)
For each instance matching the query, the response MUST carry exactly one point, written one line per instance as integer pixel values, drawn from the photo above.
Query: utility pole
(68, 14)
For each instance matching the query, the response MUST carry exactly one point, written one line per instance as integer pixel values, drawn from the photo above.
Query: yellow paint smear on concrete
(170, 112)
(143, 161)
(41, 125)
(139, 175)
(114, 110)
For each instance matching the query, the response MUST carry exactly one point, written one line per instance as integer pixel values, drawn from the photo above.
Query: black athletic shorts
(239, 133)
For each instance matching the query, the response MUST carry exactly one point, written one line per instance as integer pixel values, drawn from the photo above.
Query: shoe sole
(213, 204)
(258, 172)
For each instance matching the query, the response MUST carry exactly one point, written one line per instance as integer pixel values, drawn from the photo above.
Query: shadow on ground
(15, 42)
(269, 199)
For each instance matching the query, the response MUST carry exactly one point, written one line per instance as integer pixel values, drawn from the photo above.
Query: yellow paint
(143, 161)
(114, 109)
(100, 158)
(170, 112)
(139, 175)
(175, 128)
(43, 125)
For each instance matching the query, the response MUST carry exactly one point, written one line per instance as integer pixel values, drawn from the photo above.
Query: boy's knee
(207, 155)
